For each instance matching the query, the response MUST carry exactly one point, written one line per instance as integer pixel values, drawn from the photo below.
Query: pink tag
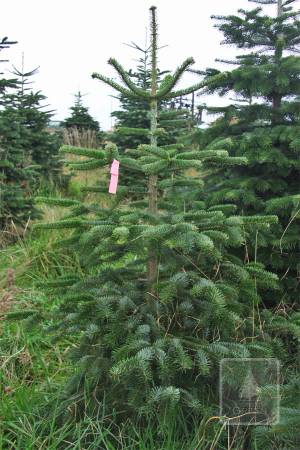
(114, 175)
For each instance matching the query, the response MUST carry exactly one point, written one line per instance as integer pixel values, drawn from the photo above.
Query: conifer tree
(263, 126)
(4, 82)
(15, 172)
(134, 118)
(40, 147)
(135, 113)
(17, 175)
(80, 117)
(162, 298)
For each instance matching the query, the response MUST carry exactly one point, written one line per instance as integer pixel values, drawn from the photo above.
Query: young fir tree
(16, 175)
(4, 82)
(162, 298)
(263, 126)
(80, 117)
(40, 147)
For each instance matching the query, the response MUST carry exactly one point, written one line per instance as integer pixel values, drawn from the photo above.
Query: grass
(31, 365)
(33, 431)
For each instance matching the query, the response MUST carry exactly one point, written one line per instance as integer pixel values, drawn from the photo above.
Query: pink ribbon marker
(114, 175)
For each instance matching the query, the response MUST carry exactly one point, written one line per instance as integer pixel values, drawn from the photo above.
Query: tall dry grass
(78, 138)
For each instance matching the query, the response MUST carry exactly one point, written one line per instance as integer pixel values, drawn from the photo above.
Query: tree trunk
(277, 98)
(152, 183)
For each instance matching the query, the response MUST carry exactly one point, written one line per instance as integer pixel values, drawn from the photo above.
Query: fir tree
(80, 117)
(263, 126)
(135, 113)
(134, 118)
(162, 298)
(4, 82)
(16, 174)
(80, 128)
(40, 147)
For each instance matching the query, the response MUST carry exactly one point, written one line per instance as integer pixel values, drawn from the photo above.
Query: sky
(71, 39)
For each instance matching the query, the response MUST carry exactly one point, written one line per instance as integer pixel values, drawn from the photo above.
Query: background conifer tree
(4, 82)
(135, 113)
(133, 120)
(16, 175)
(80, 119)
(40, 146)
(263, 125)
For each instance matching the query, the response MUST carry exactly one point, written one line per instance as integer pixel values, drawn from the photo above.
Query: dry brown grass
(12, 232)
(85, 138)
(7, 296)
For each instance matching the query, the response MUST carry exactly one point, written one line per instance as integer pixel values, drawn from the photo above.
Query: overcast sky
(70, 39)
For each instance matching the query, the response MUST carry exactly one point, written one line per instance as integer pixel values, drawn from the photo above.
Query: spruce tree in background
(4, 82)
(162, 299)
(80, 129)
(262, 125)
(135, 113)
(16, 175)
(134, 118)
(40, 147)
(80, 117)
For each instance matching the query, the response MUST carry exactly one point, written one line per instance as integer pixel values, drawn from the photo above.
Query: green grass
(33, 431)
(32, 367)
